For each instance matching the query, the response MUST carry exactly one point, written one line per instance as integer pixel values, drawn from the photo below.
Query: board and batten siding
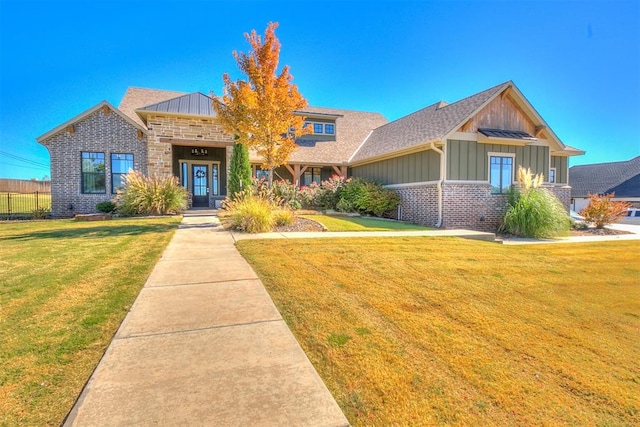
(469, 160)
(416, 167)
(561, 164)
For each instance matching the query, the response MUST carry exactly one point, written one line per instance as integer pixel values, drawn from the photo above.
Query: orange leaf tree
(602, 211)
(260, 111)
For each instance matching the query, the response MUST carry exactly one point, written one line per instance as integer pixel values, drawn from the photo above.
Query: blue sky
(577, 62)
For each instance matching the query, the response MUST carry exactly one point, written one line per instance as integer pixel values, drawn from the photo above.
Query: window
(552, 175)
(322, 128)
(312, 175)
(500, 174)
(329, 129)
(262, 174)
(120, 166)
(93, 173)
(214, 179)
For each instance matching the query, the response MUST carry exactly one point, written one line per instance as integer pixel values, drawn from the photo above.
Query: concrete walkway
(204, 344)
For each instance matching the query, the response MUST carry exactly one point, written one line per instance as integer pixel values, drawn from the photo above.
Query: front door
(200, 189)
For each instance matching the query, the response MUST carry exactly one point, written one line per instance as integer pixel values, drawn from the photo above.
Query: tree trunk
(271, 169)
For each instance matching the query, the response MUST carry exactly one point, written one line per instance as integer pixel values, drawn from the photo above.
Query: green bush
(367, 197)
(150, 195)
(239, 170)
(40, 213)
(106, 207)
(536, 213)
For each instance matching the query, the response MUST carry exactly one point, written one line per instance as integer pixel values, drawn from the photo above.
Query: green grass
(423, 331)
(344, 223)
(23, 203)
(65, 287)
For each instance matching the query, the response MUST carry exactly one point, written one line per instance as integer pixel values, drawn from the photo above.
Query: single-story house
(452, 164)
(620, 178)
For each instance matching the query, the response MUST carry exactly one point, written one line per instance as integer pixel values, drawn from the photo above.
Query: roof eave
(86, 113)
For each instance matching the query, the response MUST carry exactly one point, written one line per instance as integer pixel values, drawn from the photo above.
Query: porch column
(296, 172)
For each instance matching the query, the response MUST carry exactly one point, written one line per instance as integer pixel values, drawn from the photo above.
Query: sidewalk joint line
(168, 285)
(186, 331)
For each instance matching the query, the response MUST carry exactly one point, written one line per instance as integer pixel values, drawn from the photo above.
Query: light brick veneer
(419, 203)
(203, 132)
(98, 132)
(472, 206)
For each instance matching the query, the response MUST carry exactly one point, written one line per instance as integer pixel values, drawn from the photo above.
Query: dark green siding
(418, 167)
(468, 160)
(560, 163)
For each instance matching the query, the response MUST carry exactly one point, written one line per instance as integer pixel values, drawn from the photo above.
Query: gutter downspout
(440, 181)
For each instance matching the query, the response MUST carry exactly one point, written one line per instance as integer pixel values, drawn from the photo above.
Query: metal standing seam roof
(602, 178)
(430, 123)
(511, 134)
(195, 104)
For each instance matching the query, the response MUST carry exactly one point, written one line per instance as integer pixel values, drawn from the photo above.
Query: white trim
(491, 154)
(465, 182)
(359, 147)
(555, 175)
(411, 184)
(324, 127)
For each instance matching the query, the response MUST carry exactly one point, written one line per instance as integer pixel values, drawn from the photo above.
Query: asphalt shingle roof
(136, 97)
(602, 178)
(352, 127)
(430, 123)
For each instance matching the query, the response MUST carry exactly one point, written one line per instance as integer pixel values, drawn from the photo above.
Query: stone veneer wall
(199, 131)
(95, 133)
(564, 194)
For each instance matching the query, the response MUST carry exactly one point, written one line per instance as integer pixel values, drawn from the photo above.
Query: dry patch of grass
(448, 331)
(65, 287)
(355, 223)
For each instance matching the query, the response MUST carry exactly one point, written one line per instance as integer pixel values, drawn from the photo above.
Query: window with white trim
(500, 173)
(322, 128)
(552, 175)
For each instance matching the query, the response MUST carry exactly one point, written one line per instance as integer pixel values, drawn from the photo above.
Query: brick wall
(200, 131)
(95, 133)
(472, 206)
(419, 204)
(564, 194)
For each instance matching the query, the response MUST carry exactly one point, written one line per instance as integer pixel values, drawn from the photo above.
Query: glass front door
(200, 187)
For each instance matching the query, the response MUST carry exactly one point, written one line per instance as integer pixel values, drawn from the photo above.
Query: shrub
(329, 193)
(151, 195)
(40, 213)
(602, 211)
(287, 193)
(367, 197)
(250, 213)
(283, 216)
(534, 211)
(239, 170)
(310, 195)
(106, 207)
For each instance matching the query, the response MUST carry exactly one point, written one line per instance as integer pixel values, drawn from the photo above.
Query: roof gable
(86, 113)
(192, 104)
(430, 124)
(136, 97)
(602, 178)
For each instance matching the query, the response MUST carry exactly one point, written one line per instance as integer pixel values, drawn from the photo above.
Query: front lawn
(422, 331)
(346, 223)
(65, 287)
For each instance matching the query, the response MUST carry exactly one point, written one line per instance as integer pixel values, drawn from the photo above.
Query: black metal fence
(36, 203)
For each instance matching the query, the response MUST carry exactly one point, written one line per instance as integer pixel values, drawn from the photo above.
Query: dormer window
(322, 128)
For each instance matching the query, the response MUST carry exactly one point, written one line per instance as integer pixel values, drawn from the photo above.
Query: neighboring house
(451, 163)
(621, 178)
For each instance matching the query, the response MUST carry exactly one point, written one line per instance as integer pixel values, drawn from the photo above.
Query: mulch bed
(598, 232)
(300, 224)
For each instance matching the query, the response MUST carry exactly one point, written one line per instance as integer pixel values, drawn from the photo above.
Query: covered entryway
(200, 185)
